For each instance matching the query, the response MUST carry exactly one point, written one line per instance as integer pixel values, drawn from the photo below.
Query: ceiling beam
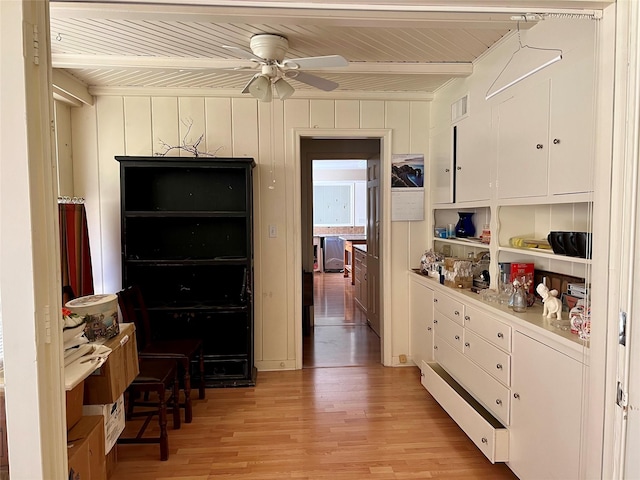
(73, 61)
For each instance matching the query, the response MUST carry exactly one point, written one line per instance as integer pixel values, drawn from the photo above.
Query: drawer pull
(422, 374)
(428, 329)
(467, 318)
(457, 337)
(435, 300)
(467, 344)
(499, 366)
(539, 146)
(516, 395)
(500, 335)
(457, 313)
(498, 401)
(435, 347)
(484, 440)
(435, 321)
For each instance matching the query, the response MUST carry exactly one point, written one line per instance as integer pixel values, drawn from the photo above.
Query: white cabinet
(523, 130)
(360, 278)
(421, 314)
(572, 126)
(546, 134)
(473, 158)
(545, 411)
(441, 158)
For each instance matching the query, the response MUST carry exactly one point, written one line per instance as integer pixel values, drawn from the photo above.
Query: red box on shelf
(519, 270)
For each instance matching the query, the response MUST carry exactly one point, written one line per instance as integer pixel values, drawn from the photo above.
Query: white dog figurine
(551, 303)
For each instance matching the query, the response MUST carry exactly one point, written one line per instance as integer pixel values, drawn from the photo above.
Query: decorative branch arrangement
(188, 147)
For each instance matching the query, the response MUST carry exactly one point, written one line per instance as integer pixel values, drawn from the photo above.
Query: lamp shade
(260, 88)
(283, 89)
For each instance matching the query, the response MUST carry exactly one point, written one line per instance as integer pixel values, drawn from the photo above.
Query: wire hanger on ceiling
(520, 48)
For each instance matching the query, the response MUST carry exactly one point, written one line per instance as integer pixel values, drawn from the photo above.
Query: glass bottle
(519, 299)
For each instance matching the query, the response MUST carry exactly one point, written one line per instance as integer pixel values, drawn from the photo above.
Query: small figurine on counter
(552, 306)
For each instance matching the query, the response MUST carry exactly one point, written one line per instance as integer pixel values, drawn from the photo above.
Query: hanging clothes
(75, 257)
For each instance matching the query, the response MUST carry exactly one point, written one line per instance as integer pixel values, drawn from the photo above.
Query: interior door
(373, 243)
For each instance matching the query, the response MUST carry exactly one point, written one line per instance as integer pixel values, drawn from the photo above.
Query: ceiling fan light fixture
(283, 89)
(260, 88)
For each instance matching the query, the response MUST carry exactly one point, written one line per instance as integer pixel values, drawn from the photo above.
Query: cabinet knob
(421, 374)
(467, 344)
(446, 170)
(516, 395)
(484, 440)
(556, 141)
(435, 300)
(435, 321)
(499, 366)
(428, 329)
(500, 335)
(539, 146)
(435, 347)
(457, 337)
(467, 318)
(458, 168)
(457, 313)
(498, 401)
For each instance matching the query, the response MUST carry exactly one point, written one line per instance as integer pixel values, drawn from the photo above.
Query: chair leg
(188, 408)
(162, 419)
(201, 386)
(176, 403)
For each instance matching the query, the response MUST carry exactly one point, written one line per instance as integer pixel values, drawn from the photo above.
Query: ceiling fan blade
(244, 53)
(314, 81)
(316, 62)
(246, 87)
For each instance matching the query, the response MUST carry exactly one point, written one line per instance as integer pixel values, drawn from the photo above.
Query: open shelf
(545, 254)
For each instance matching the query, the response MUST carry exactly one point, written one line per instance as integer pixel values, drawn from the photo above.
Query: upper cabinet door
(473, 155)
(571, 133)
(441, 153)
(522, 144)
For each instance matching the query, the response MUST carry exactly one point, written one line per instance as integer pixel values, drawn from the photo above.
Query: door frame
(384, 135)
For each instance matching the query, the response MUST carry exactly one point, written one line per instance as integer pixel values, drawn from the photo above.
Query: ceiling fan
(268, 50)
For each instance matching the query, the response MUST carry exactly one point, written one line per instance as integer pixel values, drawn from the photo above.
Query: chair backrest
(135, 311)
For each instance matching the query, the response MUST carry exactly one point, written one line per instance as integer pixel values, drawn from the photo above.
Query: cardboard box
(108, 383)
(112, 461)
(457, 273)
(74, 404)
(526, 270)
(85, 449)
(113, 415)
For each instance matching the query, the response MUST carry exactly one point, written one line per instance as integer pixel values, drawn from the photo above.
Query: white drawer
(488, 328)
(485, 431)
(448, 306)
(493, 360)
(494, 396)
(449, 331)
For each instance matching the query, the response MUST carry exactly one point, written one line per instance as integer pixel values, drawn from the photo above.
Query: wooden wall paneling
(296, 115)
(217, 112)
(322, 113)
(419, 143)
(164, 124)
(192, 124)
(372, 114)
(347, 113)
(244, 127)
(110, 124)
(62, 113)
(86, 182)
(137, 126)
(398, 118)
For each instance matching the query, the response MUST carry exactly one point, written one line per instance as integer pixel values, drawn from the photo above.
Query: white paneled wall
(242, 127)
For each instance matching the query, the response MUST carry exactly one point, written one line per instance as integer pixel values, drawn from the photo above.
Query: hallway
(340, 336)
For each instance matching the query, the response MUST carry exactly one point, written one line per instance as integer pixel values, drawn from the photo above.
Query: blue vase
(465, 227)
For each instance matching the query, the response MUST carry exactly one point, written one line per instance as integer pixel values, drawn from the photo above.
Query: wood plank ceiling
(164, 44)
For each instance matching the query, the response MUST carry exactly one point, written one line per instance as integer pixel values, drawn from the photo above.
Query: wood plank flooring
(341, 336)
(348, 423)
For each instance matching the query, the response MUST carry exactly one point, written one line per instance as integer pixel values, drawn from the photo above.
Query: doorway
(335, 205)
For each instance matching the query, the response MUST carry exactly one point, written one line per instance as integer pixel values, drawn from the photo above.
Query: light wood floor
(348, 423)
(341, 336)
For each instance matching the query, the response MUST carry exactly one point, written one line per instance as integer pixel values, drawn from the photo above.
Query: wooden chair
(183, 351)
(157, 376)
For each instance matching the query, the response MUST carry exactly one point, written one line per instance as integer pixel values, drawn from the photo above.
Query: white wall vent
(459, 109)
